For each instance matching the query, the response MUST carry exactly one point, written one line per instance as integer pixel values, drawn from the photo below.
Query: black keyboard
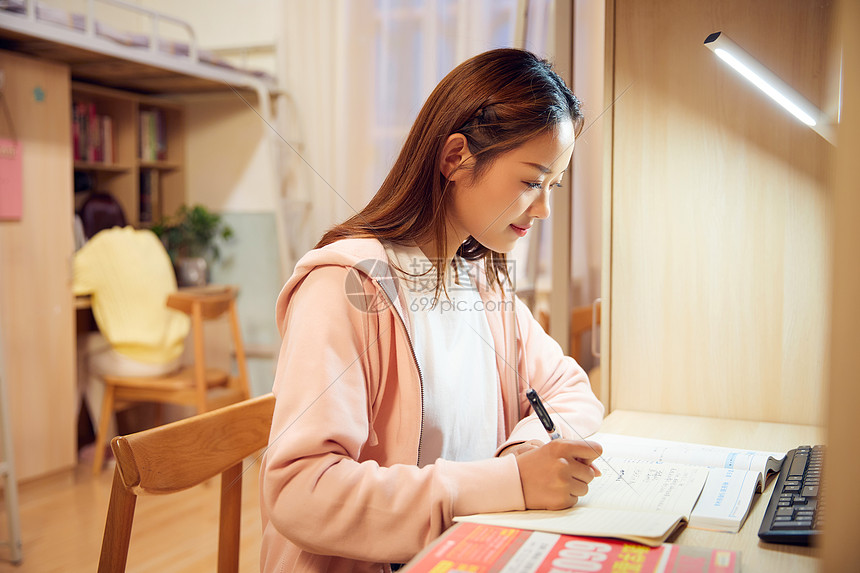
(794, 512)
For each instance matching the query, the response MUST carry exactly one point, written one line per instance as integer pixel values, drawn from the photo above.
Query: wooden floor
(63, 519)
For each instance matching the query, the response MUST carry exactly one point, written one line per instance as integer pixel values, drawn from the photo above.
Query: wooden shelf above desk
(159, 165)
(101, 167)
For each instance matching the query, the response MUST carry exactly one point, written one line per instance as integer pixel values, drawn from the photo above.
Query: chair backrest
(582, 320)
(178, 456)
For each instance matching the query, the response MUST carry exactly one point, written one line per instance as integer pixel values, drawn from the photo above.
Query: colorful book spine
(153, 135)
(92, 134)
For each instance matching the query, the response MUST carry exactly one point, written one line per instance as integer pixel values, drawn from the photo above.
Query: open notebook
(734, 475)
(651, 487)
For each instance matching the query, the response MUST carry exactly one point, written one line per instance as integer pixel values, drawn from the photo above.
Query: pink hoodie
(340, 486)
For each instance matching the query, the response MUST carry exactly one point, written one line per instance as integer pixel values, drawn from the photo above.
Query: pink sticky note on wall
(10, 180)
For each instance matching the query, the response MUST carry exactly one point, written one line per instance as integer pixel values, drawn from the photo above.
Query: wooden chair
(582, 320)
(178, 456)
(197, 385)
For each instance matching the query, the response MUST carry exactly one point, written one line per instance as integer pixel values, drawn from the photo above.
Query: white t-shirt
(454, 348)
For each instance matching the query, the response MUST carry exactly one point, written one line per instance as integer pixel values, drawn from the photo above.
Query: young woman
(406, 358)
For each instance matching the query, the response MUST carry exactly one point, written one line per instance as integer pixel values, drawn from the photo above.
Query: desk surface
(756, 556)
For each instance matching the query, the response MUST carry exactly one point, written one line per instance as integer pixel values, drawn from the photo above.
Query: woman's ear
(454, 154)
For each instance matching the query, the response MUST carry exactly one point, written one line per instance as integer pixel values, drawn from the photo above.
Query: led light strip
(769, 83)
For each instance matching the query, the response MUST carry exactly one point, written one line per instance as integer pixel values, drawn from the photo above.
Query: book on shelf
(148, 195)
(486, 548)
(92, 134)
(106, 127)
(145, 135)
(153, 136)
(651, 488)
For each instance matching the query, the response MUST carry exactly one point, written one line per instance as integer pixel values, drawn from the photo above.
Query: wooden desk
(756, 556)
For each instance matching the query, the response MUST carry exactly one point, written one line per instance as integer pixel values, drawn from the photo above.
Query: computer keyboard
(795, 509)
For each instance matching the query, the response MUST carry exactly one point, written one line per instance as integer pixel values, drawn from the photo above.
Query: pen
(542, 415)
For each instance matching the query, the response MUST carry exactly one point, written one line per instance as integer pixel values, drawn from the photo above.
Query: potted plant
(191, 238)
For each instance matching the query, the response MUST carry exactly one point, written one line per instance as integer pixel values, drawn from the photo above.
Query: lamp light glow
(765, 80)
(765, 87)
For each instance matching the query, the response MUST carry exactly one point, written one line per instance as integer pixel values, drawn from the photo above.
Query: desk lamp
(769, 83)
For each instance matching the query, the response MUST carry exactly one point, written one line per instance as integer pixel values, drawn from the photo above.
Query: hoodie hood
(364, 256)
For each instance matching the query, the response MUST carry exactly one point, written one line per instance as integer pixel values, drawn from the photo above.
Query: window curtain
(356, 73)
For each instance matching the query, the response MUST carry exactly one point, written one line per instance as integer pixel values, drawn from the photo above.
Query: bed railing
(154, 18)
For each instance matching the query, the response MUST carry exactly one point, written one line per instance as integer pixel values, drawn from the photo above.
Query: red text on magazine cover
(477, 548)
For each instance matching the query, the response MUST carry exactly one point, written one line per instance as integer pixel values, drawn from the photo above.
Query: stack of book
(92, 134)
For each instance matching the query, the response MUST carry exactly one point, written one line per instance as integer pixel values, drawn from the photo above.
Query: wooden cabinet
(37, 329)
(141, 162)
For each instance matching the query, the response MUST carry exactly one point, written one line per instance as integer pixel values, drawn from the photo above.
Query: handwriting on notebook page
(627, 484)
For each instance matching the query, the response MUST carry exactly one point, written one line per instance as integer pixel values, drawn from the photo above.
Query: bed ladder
(7, 469)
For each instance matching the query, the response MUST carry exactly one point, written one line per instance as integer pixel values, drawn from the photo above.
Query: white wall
(227, 157)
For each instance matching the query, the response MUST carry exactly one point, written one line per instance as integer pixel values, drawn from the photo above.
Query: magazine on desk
(650, 488)
(489, 549)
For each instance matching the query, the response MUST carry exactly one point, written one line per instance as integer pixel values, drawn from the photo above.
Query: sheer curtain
(357, 72)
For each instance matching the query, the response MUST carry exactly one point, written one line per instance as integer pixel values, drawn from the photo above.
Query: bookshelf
(136, 156)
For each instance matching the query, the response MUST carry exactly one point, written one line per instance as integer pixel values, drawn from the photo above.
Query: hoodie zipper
(421, 384)
(417, 366)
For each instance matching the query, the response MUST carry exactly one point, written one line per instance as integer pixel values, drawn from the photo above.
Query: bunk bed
(99, 52)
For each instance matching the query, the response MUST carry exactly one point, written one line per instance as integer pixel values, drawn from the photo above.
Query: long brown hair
(498, 100)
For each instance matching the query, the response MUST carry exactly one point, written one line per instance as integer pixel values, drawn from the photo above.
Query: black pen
(542, 414)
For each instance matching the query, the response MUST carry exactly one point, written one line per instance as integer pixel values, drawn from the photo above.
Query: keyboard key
(790, 524)
(798, 464)
(810, 491)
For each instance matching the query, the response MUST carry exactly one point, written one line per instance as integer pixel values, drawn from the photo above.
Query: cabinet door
(36, 304)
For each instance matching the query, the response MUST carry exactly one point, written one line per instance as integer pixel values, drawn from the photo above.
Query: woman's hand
(557, 474)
